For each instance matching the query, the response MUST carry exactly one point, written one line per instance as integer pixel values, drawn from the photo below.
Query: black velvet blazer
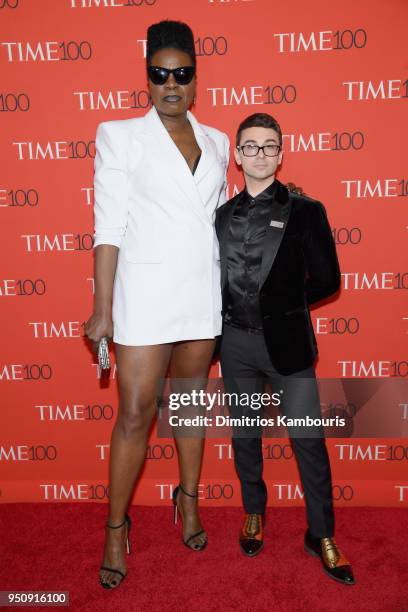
(299, 267)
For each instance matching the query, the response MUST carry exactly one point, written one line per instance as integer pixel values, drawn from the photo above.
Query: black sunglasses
(183, 75)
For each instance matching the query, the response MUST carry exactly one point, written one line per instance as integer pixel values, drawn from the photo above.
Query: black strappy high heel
(112, 585)
(196, 547)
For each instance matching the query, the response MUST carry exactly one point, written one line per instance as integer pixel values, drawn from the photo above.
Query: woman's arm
(100, 323)
(111, 211)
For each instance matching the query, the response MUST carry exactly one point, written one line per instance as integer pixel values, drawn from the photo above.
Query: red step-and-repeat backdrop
(335, 76)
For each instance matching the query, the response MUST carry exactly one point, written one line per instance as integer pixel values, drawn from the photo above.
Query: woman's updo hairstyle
(170, 34)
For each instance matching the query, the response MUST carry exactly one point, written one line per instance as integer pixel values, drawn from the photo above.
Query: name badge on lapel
(278, 224)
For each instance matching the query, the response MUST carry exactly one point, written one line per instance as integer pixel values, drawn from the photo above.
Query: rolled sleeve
(110, 186)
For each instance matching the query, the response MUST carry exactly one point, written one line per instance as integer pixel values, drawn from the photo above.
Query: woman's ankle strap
(125, 520)
(186, 492)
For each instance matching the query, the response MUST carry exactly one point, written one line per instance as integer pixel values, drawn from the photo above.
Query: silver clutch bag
(103, 354)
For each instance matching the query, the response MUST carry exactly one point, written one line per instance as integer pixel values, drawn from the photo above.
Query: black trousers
(246, 368)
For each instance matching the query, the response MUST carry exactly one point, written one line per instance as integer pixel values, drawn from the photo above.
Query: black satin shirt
(244, 255)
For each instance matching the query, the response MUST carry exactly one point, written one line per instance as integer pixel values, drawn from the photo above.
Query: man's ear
(237, 156)
(295, 189)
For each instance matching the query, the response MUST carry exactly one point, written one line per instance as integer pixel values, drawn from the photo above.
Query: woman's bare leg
(191, 360)
(140, 369)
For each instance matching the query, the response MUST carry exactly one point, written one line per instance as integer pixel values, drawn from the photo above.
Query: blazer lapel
(208, 150)
(168, 154)
(280, 211)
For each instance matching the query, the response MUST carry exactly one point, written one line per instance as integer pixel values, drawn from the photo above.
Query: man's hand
(295, 189)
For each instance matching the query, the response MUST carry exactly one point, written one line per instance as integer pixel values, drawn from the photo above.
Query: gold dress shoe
(334, 562)
(251, 536)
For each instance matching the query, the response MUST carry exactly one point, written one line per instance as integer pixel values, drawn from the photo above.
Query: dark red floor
(58, 547)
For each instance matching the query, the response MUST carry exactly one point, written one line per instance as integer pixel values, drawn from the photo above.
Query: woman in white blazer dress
(158, 181)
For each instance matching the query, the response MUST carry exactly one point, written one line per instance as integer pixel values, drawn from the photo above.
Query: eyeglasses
(183, 75)
(251, 150)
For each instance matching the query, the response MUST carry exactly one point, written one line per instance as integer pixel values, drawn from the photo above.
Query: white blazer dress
(161, 217)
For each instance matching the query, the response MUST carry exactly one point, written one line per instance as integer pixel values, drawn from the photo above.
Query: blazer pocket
(141, 256)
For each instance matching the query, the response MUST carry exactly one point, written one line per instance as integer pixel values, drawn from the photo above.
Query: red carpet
(58, 547)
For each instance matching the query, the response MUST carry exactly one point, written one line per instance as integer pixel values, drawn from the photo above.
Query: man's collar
(276, 191)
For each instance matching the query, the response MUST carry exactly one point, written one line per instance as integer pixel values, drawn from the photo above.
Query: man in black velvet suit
(277, 258)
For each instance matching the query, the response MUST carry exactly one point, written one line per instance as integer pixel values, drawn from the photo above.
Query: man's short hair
(259, 120)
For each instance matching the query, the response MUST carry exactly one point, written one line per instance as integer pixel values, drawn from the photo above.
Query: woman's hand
(96, 327)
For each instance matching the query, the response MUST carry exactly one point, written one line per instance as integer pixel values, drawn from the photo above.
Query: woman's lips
(172, 99)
